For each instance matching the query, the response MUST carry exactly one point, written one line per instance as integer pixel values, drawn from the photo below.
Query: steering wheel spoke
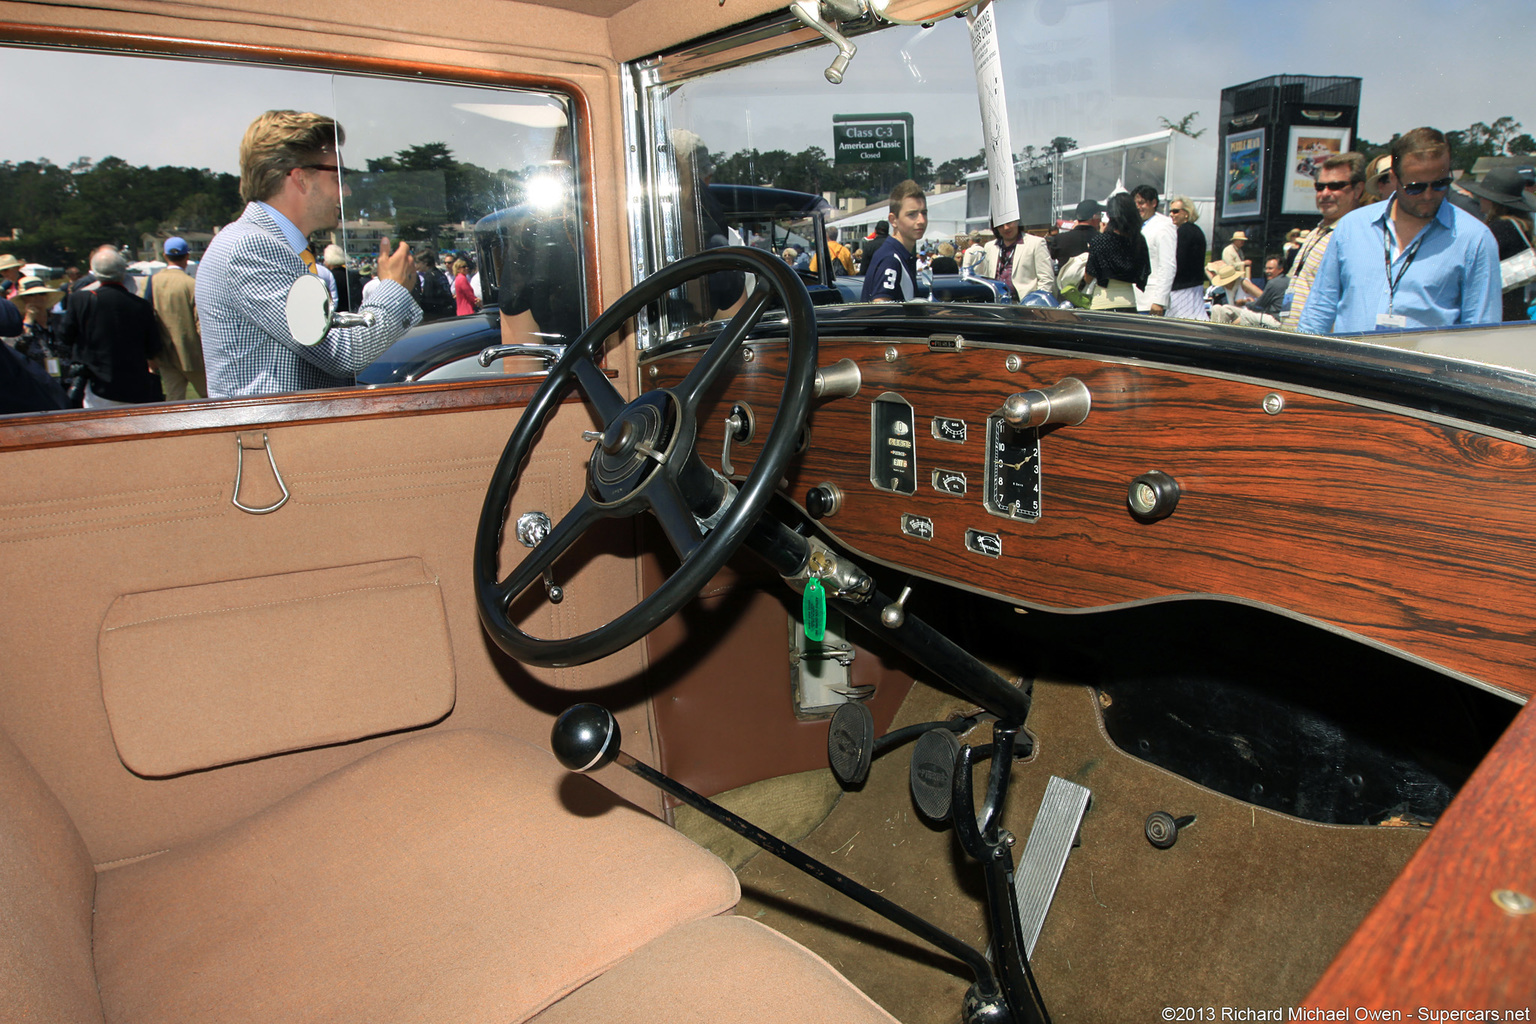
(605, 398)
(709, 367)
(559, 539)
(676, 518)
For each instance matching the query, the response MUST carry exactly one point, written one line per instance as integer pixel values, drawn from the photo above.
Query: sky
(213, 103)
(1092, 70)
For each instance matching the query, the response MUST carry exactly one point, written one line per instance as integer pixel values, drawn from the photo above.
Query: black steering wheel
(646, 459)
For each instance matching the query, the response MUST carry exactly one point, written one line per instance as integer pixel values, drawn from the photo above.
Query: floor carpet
(1244, 911)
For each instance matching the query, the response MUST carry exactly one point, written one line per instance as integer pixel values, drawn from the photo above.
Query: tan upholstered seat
(457, 876)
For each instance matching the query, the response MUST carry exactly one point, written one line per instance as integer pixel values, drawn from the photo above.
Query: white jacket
(1162, 246)
(1032, 267)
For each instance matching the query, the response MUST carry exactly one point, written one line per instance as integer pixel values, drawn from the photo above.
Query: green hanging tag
(813, 609)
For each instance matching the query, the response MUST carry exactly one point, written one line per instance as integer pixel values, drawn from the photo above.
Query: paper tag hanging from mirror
(813, 610)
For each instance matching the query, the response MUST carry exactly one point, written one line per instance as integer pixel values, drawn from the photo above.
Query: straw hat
(9, 262)
(1238, 236)
(33, 287)
(1223, 273)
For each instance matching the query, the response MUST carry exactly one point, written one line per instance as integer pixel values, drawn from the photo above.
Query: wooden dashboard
(1405, 530)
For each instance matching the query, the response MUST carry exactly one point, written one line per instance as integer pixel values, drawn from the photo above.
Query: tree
(1182, 124)
(1480, 140)
(956, 168)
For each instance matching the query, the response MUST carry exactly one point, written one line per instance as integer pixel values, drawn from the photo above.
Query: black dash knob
(823, 500)
(1152, 496)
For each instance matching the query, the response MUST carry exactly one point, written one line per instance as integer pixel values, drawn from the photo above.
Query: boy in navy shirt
(891, 275)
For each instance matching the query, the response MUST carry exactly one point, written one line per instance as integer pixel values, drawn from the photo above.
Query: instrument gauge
(1013, 471)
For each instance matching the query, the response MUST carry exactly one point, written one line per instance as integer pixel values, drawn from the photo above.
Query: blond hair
(276, 143)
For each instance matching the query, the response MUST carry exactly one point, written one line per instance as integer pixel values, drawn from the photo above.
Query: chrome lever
(550, 353)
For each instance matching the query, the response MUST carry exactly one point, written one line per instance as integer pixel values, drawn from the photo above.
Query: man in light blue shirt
(1412, 261)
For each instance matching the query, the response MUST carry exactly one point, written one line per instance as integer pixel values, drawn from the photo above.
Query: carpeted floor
(1244, 911)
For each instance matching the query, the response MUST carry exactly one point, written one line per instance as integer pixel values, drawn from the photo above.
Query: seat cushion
(46, 882)
(458, 876)
(719, 971)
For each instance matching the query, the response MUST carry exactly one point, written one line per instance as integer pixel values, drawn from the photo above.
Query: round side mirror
(309, 310)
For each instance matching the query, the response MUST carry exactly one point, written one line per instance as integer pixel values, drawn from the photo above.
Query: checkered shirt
(242, 293)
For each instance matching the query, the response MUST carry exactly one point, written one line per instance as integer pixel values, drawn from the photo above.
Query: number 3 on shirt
(890, 280)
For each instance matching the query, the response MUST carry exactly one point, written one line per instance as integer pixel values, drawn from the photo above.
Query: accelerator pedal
(1051, 839)
(932, 775)
(851, 744)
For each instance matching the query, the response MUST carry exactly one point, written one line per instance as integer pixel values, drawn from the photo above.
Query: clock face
(1013, 470)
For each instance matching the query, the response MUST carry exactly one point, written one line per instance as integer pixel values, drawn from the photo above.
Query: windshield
(1241, 135)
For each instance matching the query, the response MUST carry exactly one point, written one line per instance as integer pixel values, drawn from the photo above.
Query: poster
(1309, 147)
(1243, 180)
(994, 116)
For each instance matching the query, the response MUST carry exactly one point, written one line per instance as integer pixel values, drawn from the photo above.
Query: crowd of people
(93, 341)
(1399, 244)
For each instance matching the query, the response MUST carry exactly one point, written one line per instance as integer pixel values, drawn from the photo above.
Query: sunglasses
(1416, 188)
(1331, 186)
(332, 168)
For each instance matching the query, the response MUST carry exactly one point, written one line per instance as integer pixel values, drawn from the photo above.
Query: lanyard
(1386, 255)
(1318, 234)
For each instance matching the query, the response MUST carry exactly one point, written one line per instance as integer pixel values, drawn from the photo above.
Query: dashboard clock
(1013, 471)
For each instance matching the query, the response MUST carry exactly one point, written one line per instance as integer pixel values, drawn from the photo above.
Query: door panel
(84, 524)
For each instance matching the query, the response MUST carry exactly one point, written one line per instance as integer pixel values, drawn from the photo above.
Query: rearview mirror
(311, 314)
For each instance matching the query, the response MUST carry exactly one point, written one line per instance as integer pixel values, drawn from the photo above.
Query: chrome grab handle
(240, 472)
(550, 353)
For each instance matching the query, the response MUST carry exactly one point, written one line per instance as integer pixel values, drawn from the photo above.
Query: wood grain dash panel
(1413, 534)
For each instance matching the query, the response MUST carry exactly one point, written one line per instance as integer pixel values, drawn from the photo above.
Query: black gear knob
(585, 737)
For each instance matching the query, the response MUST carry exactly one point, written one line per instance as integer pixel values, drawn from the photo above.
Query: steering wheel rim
(647, 459)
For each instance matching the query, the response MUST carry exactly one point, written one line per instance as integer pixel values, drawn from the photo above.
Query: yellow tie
(309, 260)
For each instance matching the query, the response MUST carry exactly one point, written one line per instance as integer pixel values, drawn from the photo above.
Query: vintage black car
(1069, 666)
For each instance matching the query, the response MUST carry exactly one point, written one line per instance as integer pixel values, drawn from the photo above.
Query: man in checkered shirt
(291, 179)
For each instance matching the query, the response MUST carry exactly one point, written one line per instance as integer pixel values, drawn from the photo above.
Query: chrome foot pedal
(1051, 839)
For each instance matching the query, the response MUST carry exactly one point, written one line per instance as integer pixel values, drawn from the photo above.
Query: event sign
(1243, 177)
(863, 139)
(1309, 147)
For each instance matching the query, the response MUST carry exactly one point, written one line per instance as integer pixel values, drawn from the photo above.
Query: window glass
(475, 174)
(1102, 96)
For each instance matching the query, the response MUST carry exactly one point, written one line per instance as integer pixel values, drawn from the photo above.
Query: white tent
(946, 218)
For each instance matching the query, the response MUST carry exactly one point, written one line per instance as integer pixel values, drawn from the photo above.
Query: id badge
(1285, 303)
(1391, 322)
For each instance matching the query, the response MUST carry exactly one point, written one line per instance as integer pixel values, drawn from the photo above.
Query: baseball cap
(175, 246)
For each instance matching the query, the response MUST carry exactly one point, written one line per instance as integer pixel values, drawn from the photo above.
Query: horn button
(632, 446)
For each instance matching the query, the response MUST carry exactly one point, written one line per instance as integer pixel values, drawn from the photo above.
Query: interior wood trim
(178, 46)
(54, 429)
(1382, 526)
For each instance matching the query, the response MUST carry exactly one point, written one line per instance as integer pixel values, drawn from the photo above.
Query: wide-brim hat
(1223, 273)
(29, 287)
(9, 262)
(1238, 236)
(1501, 185)
(1377, 167)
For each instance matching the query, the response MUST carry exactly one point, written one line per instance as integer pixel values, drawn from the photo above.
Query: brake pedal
(851, 743)
(1051, 839)
(932, 775)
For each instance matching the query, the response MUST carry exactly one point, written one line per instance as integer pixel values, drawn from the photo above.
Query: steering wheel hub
(633, 446)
